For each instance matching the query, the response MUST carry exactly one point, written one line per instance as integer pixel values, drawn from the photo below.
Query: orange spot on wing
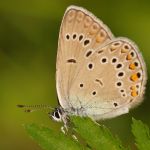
(124, 50)
(134, 77)
(129, 57)
(133, 87)
(132, 66)
(98, 38)
(71, 15)
(94, 28)
(87, 21)
(113, 48)
(80, 16)
(134, 93)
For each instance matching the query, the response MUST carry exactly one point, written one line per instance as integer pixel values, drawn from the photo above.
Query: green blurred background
(28, 44)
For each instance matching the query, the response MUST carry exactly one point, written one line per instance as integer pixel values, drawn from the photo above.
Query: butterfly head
(57, 114)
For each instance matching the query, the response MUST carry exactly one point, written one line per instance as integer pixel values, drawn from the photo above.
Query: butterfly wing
(97, 75)
(113, 80)
(80, 31)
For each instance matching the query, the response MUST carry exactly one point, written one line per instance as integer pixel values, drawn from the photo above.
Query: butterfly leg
(63, 130)
(75, 138)
(65, 120)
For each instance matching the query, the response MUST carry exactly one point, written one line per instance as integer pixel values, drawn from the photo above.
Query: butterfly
(97, 75)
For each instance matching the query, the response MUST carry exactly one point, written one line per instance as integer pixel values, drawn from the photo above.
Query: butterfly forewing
(80, 34)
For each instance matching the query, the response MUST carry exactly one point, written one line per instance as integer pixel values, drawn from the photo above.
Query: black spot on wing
(71, 61)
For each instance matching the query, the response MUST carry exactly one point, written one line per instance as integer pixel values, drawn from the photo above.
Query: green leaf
(49, 139)
(142, 134)
(96, 136)
(91, 136)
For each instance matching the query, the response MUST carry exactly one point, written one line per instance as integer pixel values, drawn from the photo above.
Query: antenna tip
(28, 110)
(20, 105)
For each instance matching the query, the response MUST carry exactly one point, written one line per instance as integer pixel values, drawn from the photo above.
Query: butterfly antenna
(31, 108)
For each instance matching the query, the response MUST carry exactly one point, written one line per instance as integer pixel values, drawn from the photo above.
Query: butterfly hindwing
(111, 80)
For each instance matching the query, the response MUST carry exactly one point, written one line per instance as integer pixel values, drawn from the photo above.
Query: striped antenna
(31, 108)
